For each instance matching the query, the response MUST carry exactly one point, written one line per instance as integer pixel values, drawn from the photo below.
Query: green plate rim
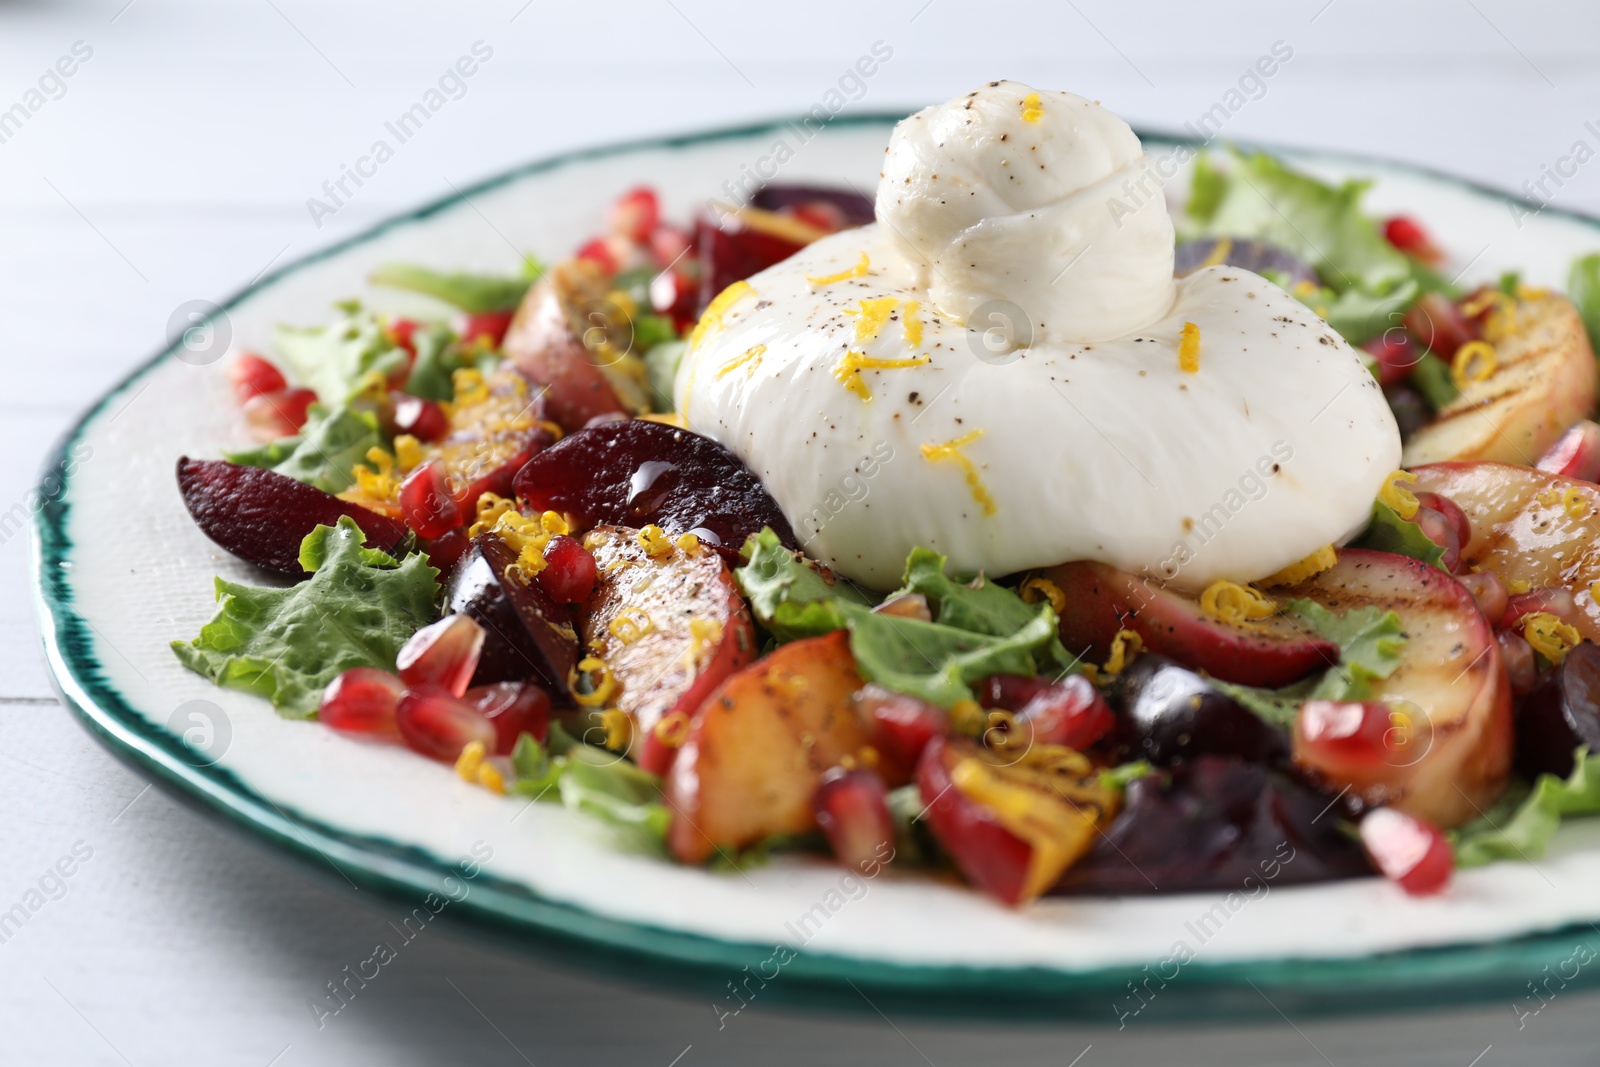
(658, 958)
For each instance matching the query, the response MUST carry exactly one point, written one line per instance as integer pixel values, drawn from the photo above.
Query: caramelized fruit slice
(759, 747)
(669, 628)
(262, 516)
(1102, 600)
(1450, 697)
(527, 635)
(491, 436)
(635, 472)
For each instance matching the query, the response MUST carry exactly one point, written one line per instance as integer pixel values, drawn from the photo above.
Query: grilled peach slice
(759, 746)
(669, 628)
(569, 339)
(1543, 382)
(1450, 703)
(1100, 600)
(1528, 526)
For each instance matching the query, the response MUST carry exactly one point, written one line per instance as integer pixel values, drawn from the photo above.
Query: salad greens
(1368, 281)
(1370, 641)
(1522, 822)
(333, 359)
(979, 628)
(476, 294)
(324, 453)
(1388, 532)
(286, 644)
(1583, 287)
(593, 780)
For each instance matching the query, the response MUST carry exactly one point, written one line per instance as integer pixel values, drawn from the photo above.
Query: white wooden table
(175, 162)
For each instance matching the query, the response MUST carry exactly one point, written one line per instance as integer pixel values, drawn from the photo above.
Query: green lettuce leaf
(324, 453)
(476, 294)
(333, 359)
(286, 644)
(1521, 823)
(1388, 532)
(1583, 288)
(979, 628)
(595, 781)
(438, 358)
(661, 365)
(1432, 378)
(1370, 642)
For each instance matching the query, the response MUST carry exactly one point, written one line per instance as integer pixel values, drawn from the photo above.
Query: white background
(177, 166)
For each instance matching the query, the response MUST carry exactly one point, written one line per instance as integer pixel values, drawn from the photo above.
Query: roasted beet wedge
(1218, 824)
(529, 637)
(262, 516)
(635, 472)
(851, 207)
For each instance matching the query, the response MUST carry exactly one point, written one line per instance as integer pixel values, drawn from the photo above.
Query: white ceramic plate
(122, 571)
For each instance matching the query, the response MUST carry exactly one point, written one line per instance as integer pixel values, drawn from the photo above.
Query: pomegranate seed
(1407, 850)
(1442, 532)
(489, 325)
(362, 700)
(445, 551)
(1408, 236)
(427, 502)
(403, 332)
(252, 376)
(569, 571)
(1522, 670)
(1576, 454)
(515, 708)
(1551, 599)
(636, 213)
(439, 724)
(280, 413)
(599, 252)
(1489, 591)
(1350, 736)
(1448, 508)
(444, 654)
(902, 726)
(668, 244)
(852, 808)
(1439, 325)
(423, 419)
(674, 293)
(1070, 712)
(1396, 355)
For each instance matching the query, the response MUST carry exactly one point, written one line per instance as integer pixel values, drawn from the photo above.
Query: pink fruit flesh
(1489, 591)
(279, 413)
(439, 724)
(515, 708)
(362, 700)
(427, 503)
(852, 808)
(569, 572)
(262, 516)
(1349, 736)
(902, 726)
(1576, 454)
(1522, 670)
(252, 376)
(1070, 712)
(1551, 600)
(1407, 850)
(1442, 532)
(444, 654)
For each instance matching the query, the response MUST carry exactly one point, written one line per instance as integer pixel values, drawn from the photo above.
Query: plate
(121, 571)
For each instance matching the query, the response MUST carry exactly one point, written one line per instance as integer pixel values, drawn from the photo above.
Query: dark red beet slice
(261, 516)
(730, 252)
(529, 637)
(855, 209)
(636, 472)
